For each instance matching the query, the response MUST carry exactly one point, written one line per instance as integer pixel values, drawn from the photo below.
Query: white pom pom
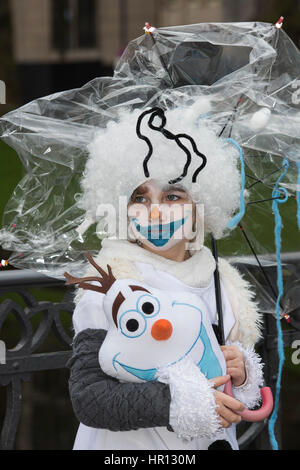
(260, 119)
(203, 105)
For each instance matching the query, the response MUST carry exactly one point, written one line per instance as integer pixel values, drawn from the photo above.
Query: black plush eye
(148, 305)
(147, 308)
(132, 325)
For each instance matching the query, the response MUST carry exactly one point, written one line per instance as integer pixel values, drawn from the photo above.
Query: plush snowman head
(150, 328)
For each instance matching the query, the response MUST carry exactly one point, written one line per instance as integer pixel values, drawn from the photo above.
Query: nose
(161, 330)
(155, 212)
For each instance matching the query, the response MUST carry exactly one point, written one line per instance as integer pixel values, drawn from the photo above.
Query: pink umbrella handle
(255, 415)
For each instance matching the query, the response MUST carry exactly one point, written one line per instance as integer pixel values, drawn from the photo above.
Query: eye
(147, 308)
(132, 324)
(172, 197)
(139, 199)
(148, 305)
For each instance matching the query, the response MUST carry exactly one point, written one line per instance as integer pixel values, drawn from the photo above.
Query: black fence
(35, 319)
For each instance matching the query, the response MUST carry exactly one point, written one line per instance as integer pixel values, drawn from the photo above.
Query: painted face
(150, 328)
(160, 216)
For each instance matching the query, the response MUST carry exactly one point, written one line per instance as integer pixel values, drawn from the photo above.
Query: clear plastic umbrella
(242, 81)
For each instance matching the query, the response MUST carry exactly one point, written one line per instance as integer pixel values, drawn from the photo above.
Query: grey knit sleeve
(101, 401)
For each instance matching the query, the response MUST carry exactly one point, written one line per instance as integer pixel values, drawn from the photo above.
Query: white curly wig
(115, 165)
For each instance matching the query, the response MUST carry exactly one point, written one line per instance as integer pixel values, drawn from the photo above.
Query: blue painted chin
(159, 234)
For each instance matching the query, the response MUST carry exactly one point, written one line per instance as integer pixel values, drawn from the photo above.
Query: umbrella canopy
(233, 88)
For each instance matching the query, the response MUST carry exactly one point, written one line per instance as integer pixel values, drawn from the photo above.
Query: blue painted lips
(159, 234)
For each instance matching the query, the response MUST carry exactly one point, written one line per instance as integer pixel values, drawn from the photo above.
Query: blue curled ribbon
(280, 345)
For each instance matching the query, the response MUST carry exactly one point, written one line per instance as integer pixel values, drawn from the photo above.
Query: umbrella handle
(255, 415)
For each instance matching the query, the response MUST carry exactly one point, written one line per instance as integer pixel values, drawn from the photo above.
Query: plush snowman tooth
(260, 119)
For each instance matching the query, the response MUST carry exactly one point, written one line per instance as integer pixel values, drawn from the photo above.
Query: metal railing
(24, 359)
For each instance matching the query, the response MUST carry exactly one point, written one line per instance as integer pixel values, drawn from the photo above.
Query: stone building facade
(60, 44)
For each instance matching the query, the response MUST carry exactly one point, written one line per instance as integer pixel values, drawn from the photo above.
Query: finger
(228, 415)
(229, 348)
(236, 369)
(232, 403)
(232, 350)
(239, 368)
(230, 353)
(235, 364)
(233, 372)
(223, 422)
(219, 408)
(228, 356)
(238, 378)
(218, 381)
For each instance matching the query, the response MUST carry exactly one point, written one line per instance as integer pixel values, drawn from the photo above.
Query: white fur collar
(197, 271)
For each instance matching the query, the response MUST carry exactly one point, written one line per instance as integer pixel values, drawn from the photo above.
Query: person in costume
(147, 371)
(233, 88)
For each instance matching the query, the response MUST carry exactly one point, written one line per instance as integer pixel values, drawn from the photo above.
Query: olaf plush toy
(162, 327)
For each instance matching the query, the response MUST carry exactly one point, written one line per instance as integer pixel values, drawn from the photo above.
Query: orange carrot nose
(154, 213)
(161, 329)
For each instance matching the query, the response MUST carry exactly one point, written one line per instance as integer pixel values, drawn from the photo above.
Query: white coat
(240, 316)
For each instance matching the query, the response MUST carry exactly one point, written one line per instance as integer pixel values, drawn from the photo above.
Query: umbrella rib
(265, 177)
(263, 200)
(258, 262)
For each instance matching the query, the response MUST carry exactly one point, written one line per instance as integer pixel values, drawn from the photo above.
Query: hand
(235, 365)
(227, 407)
